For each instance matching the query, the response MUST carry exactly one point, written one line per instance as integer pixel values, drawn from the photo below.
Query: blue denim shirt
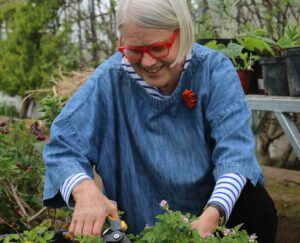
(146, 149)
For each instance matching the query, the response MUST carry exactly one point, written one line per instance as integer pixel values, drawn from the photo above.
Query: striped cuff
(226, 192)
(68, 186)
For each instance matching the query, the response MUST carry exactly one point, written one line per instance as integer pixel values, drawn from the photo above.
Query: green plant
(38, 234)
(259, 42)
(41, 234)
(88, 239)
(241, 59)
(20, 174)
(174, 227)
(36, 41)
(21, 177)
(51, 106)
(291, 37)
(8, 110)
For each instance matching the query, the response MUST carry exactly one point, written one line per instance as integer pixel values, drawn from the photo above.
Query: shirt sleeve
(227, 114)
(226, 192)
(76, 138)
(68, 186)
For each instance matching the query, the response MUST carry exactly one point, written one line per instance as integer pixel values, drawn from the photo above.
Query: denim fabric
(146, 149)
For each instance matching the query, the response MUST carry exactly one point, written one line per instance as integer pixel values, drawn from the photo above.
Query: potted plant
(291, 53)
(272, 61)
(242, 60)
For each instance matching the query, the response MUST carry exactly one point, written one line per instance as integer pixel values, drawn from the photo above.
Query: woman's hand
(207, 223)
(91, 209)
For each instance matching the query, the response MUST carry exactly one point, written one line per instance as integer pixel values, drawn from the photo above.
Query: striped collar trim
(154, 91)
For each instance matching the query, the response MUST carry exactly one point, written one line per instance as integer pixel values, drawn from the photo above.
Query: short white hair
(160, 14)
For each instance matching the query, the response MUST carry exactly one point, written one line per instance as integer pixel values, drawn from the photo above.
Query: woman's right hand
(91, 209)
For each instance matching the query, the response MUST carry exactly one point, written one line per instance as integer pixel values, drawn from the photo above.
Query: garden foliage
(171, 227)
(35, 43)
(22, 170)
(175, 227)
(39, 234)
(21, 173)
(51, 106)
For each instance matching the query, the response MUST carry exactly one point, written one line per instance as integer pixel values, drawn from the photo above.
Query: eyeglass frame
(146, 49)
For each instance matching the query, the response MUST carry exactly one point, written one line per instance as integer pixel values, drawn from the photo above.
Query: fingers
(97, 228)
(91, 209)
(204, 225)
(113, 211)
(202, 232)
(89, 220)
(76, 227)
(86, 228)
(72, 227)
(207, 234)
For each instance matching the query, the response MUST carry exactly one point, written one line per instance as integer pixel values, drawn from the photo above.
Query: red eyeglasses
(156, 50)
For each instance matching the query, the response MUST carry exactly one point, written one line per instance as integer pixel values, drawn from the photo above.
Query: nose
(147, 60)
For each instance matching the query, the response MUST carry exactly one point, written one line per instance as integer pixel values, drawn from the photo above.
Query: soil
(284, 187)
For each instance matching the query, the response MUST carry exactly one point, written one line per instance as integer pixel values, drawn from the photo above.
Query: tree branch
(37, 214)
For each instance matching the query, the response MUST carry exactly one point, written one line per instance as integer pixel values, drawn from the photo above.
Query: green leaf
(260, 32)
(212, 44)
(232, 50)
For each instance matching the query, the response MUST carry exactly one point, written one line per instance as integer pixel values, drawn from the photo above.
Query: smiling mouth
(154, 70)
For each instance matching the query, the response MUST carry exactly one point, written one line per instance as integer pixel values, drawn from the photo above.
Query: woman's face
(156, 72)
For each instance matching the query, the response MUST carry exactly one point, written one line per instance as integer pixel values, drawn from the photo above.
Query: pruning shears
(116, 231)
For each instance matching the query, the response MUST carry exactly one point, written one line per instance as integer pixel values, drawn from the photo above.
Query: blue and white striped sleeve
(68, 186)
(226, 192)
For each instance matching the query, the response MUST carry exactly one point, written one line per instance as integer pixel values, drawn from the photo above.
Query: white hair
(160, 14)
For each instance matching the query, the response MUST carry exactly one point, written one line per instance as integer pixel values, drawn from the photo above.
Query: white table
(281, 106)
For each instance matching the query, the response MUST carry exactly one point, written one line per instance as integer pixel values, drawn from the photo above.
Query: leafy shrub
(21, 176)
(51, 106)
(174, 227)
(38, 234)
(41, 234)
(8, 110)
(258, 41)
(22, 170)
(236, 52)
(88, 239)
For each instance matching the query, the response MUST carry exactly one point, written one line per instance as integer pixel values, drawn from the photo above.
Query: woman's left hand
(207, 223)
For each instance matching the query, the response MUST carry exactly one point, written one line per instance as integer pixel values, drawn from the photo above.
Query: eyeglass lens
(155, 51)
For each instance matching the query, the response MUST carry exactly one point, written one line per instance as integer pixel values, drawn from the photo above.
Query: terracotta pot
(245, 78)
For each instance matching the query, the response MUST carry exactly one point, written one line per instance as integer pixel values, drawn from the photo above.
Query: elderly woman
(162, 119)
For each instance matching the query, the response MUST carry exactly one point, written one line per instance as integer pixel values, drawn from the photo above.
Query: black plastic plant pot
(275, 76)
(292, 60)
(218, 40)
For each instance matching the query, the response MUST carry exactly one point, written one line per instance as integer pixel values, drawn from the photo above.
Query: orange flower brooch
(189, 97)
